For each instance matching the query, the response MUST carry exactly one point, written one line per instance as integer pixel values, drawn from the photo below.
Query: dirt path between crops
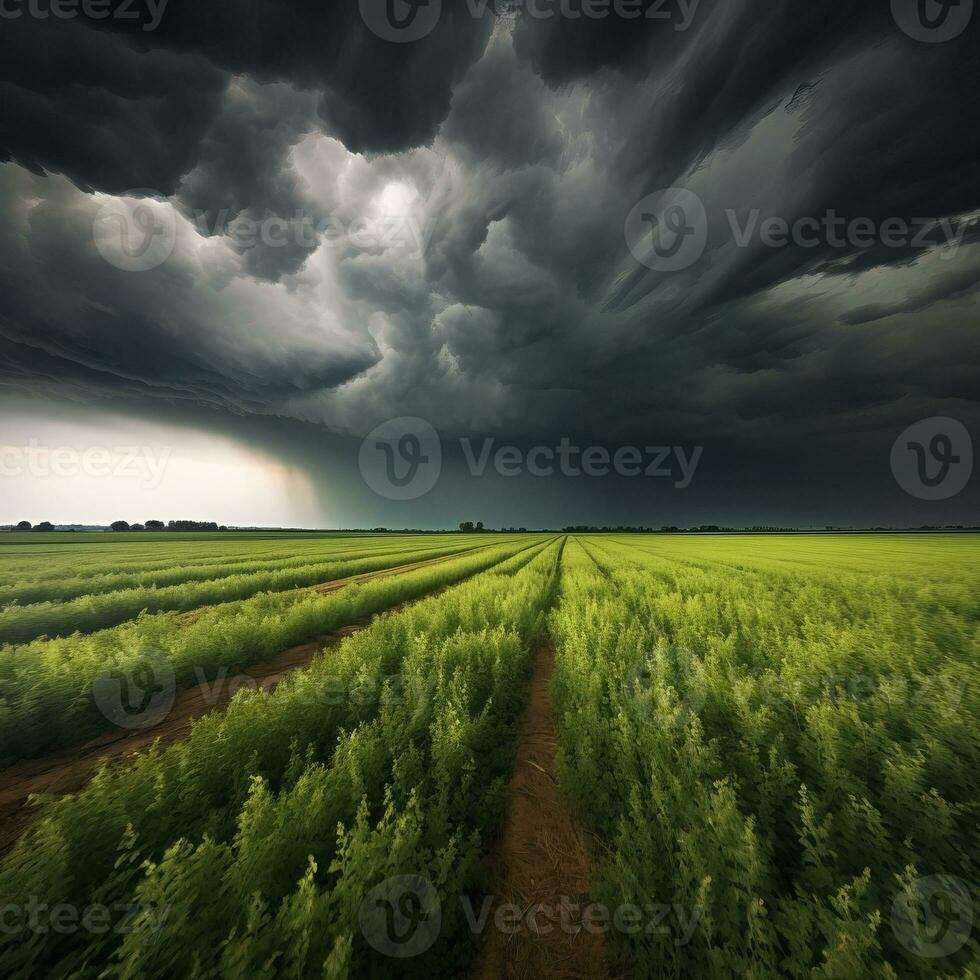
(185, 618)
(541, 863)
(68, 771)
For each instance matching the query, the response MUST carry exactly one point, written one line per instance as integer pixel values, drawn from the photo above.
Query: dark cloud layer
(367, 229)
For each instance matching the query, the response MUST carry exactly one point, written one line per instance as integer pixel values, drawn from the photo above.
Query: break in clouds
(357, 228)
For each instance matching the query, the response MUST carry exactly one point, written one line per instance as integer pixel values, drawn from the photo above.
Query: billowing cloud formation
(367, 229)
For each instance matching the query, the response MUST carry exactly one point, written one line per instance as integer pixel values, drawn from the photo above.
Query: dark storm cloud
(376, 95)
(179, 331)
(499, 114)
(243, 169)
(885, 132)
(114, 106)
(136, 104)
(90, 105)
(959, 283)
(495, 292)
(720, 60)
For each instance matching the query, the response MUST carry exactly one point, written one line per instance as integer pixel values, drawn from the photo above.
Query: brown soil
(190, 616)
(541, 863)
(70, 770)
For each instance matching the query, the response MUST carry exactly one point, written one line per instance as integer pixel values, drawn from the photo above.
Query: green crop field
(768, 746)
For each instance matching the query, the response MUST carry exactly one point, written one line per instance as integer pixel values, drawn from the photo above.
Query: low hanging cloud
(366, 229)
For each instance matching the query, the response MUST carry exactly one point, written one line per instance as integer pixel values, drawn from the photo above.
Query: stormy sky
(250, 234)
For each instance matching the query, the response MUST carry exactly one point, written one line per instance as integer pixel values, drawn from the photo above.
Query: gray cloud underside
(508, 303)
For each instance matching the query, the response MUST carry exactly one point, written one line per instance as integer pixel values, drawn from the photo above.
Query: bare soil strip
(541, 863)
(191, 615)
(68, 771)
(384, 572)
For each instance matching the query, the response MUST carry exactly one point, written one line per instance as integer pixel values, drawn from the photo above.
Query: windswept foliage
(249, 847)
(777, 749)
(773, 739)
(91, 612)
(49, 686)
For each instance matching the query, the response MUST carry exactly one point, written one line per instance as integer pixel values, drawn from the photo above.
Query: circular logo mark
(933, 916)
(401, 459)
(651, 697)
(400, 21)
(137, 697)
(932, 21)
(401, 917)
(668, 230)
(135, 232)
(933, 459)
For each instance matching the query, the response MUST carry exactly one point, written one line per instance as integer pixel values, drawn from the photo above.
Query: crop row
(71, 587)
(19, 624)
(39, 564)
(780, 755)
(50, 694)
(249, 848)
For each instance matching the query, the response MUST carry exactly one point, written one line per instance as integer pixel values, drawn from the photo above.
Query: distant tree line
(169, 526)
(585, 528)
